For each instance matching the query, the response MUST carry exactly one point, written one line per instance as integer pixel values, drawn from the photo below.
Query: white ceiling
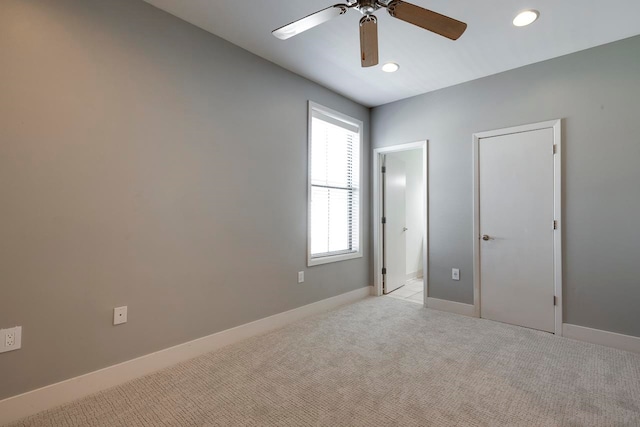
(329, 54)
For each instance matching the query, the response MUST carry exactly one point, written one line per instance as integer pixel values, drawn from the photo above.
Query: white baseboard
(606, 338)
(23, 405)
(415, 275)
(451, 306)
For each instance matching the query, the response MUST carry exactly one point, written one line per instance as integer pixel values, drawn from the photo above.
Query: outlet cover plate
(455, 274)
(300, 276)
(10, 339)
(120, 315)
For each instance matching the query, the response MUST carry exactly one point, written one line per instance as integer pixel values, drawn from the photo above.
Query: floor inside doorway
(412, 291)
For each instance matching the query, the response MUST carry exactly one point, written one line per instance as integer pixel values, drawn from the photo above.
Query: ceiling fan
(416, 15)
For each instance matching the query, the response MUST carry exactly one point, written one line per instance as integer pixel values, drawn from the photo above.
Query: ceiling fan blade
(308, 22)
(427, 19)
(369, 41)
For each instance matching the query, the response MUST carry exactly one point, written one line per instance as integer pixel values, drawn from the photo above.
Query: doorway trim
(556, 125)
(377, 212)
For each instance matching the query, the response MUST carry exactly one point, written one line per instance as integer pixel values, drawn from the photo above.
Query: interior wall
(414, 210)
(147, 163)
(597, 93)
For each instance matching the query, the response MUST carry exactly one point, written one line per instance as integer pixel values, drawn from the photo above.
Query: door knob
(486, 237)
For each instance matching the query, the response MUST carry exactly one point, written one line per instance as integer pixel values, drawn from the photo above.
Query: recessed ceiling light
(525, 18)
(390, 67)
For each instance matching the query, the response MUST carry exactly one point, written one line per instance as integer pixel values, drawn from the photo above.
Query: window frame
(353, 122)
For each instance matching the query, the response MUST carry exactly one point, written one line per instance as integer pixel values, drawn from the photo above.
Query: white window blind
(334, 208)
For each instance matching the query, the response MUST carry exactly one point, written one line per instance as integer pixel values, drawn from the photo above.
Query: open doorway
(400, 214)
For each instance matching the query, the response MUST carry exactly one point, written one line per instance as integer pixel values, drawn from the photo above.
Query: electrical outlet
(300, 276)
(10, 339)
(455, 274)
(120, 315)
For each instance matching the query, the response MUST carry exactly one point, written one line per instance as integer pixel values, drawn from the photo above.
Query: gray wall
(597, 92)
(145, 162)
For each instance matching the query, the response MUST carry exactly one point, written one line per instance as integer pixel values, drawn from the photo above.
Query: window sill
(332, 258)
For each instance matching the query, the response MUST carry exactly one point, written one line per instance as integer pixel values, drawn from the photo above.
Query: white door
(394, 229)
(516, 185)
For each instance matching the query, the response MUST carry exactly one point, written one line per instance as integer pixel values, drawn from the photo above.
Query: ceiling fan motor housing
(367, 7)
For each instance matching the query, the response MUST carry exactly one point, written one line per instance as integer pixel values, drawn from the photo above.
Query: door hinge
(384, 270)
(384, 220)
(555, 300)
(384, 169)
(555, 224)
(555, 148)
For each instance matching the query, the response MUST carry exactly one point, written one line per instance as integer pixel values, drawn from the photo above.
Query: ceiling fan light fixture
(526, 17)
(390, 67)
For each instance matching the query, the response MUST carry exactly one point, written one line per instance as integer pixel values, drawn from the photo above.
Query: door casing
(377, 211)
(556, 125)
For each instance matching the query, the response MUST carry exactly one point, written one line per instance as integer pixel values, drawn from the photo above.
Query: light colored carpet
(379, 362)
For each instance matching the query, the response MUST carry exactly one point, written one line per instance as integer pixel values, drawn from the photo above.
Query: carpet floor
(379, 362)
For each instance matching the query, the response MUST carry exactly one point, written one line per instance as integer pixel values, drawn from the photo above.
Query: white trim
(377, 210)
(556, 125)
(23, 405)
(451, 306)
(557, 214)
(606, 338)
(332, 258)
(360, 125)
(476, 226)
(415, 275)
(518, 129)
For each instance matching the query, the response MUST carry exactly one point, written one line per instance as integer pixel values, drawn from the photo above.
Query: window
(334, 186)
